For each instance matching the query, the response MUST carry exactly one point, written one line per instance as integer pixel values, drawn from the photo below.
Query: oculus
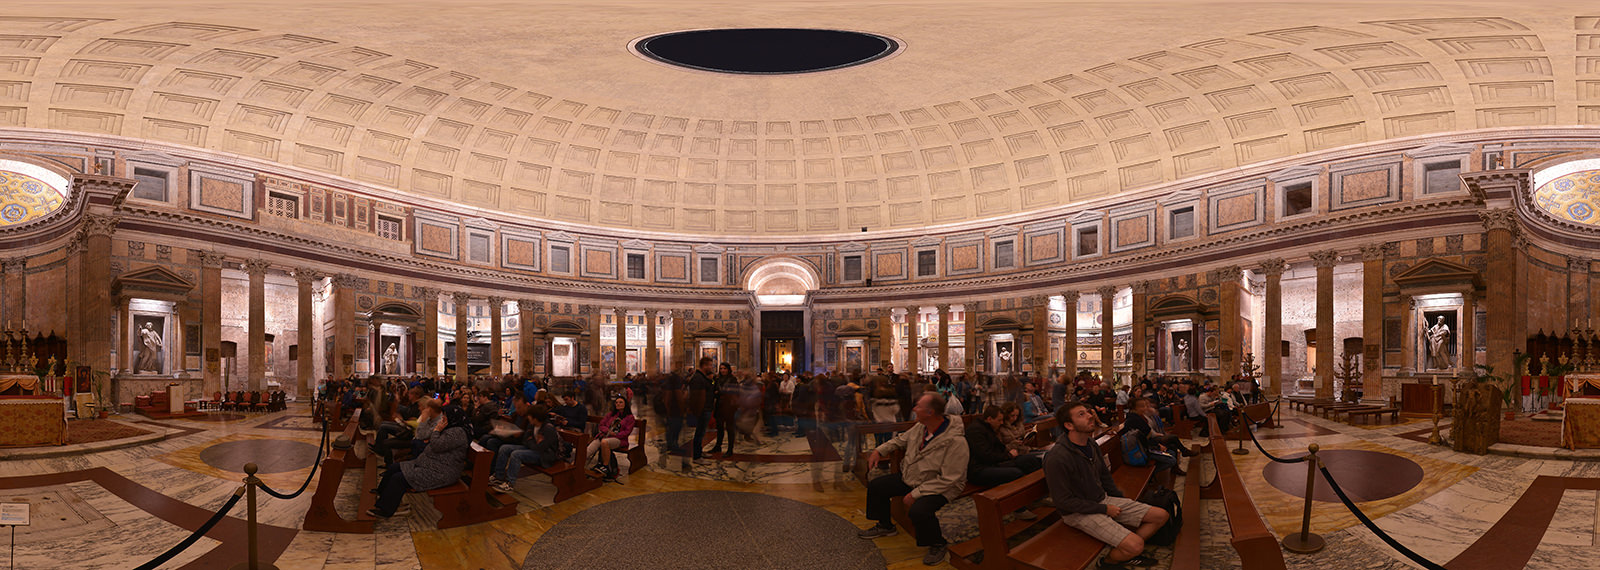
(766, 51)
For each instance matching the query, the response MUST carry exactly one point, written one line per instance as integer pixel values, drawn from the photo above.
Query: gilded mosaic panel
(1571, 197)
(24, 198)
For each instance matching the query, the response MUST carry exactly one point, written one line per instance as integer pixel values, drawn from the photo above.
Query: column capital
(588, 309)
(1071, 297)
(1273, 266)
(681, 314)
(210, 259)
(1499, 219)
(651, 313)
(1106, 290)
(346, 281)
(1229, 274)
(527, 306)
(1372, 252)
(1325, 258)
(1574, 264)
(620, 310)
(427, 293)
(14, 264)
(944, 308)
(1142, 286)
(307, 275)
(461, 298)
(496, 303)
(255, 267)
(74, 244)
(98, 225)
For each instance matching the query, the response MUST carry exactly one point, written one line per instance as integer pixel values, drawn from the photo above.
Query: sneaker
(377, 513)
(878, 532)
(1140, 561)
(500, 487)
(936, 554)
(403, 511)
(1026, 515)
(702, 461)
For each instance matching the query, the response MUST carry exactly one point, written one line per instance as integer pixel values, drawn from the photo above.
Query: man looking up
(1080, 485)
(932, 474)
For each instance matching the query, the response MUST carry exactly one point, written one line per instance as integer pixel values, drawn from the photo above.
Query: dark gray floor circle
(696, 530)
(269, 455)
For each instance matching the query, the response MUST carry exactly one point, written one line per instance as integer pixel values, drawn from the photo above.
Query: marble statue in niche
(150, 343)
(1437, 339)
(390, 357)
(1181, 352)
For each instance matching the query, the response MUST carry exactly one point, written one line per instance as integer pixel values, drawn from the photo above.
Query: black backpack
(1165, 499)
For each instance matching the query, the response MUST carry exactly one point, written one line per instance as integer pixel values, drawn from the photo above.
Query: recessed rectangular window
(152, 184)
(1004, 254)
(1088, 241)
(1296, 199)
(478, 248)
(636, 266)
(560, 259)
(927, 263)
(708, 270)
(1181, 223)
(283, 205)
(1440, 177)
(390, 228)
(852, 268)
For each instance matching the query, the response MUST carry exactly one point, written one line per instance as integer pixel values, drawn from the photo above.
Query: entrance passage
(783, 341)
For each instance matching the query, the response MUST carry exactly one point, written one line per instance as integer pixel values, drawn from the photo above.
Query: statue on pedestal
(1181, 354)
(150, 350)
(390, 355)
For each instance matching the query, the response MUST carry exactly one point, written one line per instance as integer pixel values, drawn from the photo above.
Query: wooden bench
(1375, 412)
(569, 477)
(469, 501)
(636, 457)
(1257, 547)
(1186, 550)
(1258, 413)
(322, 516)
(1058, 546)
(1182, 426)
(859, 437)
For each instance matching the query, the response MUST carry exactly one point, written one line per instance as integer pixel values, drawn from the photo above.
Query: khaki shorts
(1106, 529)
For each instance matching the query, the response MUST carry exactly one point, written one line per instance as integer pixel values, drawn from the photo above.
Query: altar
(32, 420)
(1580, 424)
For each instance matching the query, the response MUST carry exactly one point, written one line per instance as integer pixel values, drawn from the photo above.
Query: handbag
(1167, 500)
(1133, 449)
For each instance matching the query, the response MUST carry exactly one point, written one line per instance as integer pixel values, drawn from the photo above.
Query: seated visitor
(542, 448)
(611, 435)
(1033, 406)
(518, 417)
(1088, 499)
(1162, 450)
(572, 413)
(438, 466)
(991, 462)
(933, 473)
(427, 424)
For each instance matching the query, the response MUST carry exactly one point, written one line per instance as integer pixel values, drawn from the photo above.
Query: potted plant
(1555, 371)
(102, 384)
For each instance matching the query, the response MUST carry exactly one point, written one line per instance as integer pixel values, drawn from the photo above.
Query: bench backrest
(639, 429)
(1258, 548)
(580, 445)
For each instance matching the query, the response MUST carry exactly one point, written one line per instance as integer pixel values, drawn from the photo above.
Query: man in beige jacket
(932, 474)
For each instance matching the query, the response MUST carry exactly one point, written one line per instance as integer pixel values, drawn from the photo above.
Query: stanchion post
(1306, 542)
(250, 483)
(1244, 425)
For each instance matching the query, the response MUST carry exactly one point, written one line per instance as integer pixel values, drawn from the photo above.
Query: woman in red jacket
(612, 436)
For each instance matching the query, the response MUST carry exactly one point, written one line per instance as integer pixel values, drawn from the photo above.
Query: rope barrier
(187, 542)
(1264, 453)
(321, 445)
(1395, 544)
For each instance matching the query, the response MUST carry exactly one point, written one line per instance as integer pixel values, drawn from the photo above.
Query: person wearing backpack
(1140, 439)
(542, 450)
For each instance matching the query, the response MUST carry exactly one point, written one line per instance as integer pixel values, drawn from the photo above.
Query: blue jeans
(502, 456)
(517, 459)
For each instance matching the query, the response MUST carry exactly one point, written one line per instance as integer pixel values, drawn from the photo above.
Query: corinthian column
(1273, 364)
(256, 327)
(306, 326)
(1372, 319)
(210, 318)
(1501, 232)
(652, 360)
(496, 356)
(1324, 262)
(1108, 352)
(462, 301)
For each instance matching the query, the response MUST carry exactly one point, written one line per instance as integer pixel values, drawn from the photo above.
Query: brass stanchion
(251, 482)
(1305, 542)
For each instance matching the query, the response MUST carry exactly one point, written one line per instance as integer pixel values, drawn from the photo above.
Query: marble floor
(116, 504)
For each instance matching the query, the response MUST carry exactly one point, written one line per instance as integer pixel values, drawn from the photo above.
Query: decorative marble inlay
(1236, 210)
(889, 264)
(1572, 197)
(221, 194)
(519, 252)
(25, 198)
(674, 267)
(1045, 246)
(964, 258)
(597, 261)
(1133, 231)
(1365, 185)
(435, 238)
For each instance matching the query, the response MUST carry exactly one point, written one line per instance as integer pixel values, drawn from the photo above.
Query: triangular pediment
(1436, 271)
(154, 277)
(1086, 216)
(1445, 149)
(710, 331)
(1002, 231)
(1294, 173)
